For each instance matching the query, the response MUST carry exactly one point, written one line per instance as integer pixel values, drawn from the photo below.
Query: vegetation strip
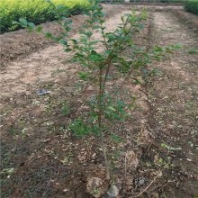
(192, 6)
(37, 11)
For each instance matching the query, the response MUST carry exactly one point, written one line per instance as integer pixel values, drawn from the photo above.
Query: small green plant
(193, 51)
(170, 148)
(101, 69)
(7, 171)
(12, 130)
(65, 110)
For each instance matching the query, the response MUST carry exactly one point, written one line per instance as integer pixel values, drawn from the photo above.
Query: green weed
(193, 51)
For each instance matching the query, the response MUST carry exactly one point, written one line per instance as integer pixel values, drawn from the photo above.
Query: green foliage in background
(36, 11)
(170, 1)
(192, 6)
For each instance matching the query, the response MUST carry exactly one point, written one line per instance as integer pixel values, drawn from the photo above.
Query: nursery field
(153, 153)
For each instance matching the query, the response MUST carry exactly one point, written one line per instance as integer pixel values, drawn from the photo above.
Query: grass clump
(37, 11)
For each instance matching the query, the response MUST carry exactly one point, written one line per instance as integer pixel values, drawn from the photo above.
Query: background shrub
(192, 6)
(36, 11)
(172, 1)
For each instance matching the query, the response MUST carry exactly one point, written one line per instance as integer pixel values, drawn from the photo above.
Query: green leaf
(63, 42)
(68, 49)
(116, 138)
(111, 108)
(80, 128)
(193, 51)
(170, 147)
(178, 46)
(158, 49)
(15, 22)
(65, 110)
(31, 25)
(23, 21)
(84, 75)
(95, 57)
(87, 33)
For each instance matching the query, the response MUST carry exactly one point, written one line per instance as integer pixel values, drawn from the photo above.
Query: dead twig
(125, 166)
(150, 184)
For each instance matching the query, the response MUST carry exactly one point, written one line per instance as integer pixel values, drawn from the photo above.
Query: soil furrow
(19, 44)
(20, 76)
(175, 100)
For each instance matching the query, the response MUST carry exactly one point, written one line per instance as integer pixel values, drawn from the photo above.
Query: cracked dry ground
(41, 159)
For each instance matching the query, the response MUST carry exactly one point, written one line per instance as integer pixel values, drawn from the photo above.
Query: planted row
(36, 11)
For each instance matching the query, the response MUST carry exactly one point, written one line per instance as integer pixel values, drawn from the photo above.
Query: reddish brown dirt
(174, 96)
(41, 158)
(189, 19)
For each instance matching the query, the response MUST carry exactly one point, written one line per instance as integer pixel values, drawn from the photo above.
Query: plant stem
(100, 113)
(109, 59)
(101, 93)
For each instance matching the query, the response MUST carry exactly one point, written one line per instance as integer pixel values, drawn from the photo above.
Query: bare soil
(174, 121)
(158, 154)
